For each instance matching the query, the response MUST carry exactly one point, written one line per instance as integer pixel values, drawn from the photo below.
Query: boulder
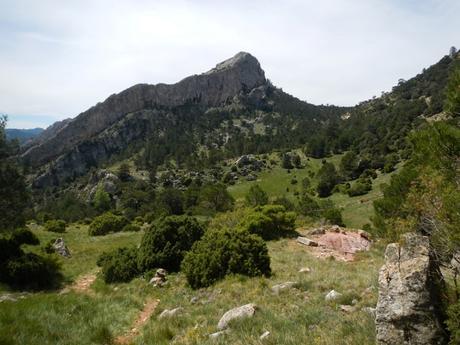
(317, 231)
(284, 286)
(307, 242)
(60, 247)
(305, 270)
(245, 311)
(264, 335)
(409, 304)
(332, 296)
(218, 334)
(168, 313)
(159, 279)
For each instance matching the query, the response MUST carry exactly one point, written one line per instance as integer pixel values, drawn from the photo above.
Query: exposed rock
(60, 247)
(218, 334)
(409, 307)
(317, 231)
(7, 297)
(370, 311)
(168, 313)
(307, 242)
(264, 335)
(305, 270)
(226, 80)
(245, 311)
(335, 228)
(455, 262)
(159, 279)
(332, 296)
(364, 234)
(347, 308)
(284, 286)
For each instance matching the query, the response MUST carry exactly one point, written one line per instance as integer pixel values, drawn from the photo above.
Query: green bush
(131, 228)
(106, 223)
(119, 265)
(334, 216)
(165, 243)
(33, 271)
(223, 252)
(453, 323)
(360, 187)
(55, 226)
(26, 270)
(269, 222)
(256, 196)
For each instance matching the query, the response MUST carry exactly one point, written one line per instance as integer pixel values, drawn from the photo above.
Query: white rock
(332, 295)
(284, 286)
(307, 242)
(167, 313)
(305, 270)
(218, 334)
(245, 311)
(264, 335)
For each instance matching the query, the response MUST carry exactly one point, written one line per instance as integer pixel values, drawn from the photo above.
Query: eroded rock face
(240, 73)
(409, 305)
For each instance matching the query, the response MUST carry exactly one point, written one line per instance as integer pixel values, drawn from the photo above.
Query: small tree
(223, 252)
(256, 196)
(328, 178)
(166, 242)
(286, 161)
(102, 200)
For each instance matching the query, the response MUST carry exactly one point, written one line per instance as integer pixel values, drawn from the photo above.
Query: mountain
(22, 135)
(196, 113)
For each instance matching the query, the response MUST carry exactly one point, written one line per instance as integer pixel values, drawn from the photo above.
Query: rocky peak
(228, 79)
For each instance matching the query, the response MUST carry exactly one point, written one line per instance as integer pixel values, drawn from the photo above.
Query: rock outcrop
(60, 247)
(245, 311)
(409, 304)
(241, 73)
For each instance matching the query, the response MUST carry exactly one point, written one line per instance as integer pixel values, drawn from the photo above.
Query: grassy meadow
(292, 317)
(299, 315)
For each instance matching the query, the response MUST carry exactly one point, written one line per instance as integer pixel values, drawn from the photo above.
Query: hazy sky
(58, 58)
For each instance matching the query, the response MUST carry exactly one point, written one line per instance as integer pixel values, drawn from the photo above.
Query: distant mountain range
(231, 110)
(22, 135)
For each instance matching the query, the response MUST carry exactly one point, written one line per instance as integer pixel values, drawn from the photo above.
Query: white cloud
(60, 57)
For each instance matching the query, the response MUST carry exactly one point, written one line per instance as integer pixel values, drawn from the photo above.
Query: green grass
(85, 249)
(297, 316)
(357, 210)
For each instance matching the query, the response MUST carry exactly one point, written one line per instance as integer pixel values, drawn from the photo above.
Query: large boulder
(60, 247)
(409, 305)
(245, 311)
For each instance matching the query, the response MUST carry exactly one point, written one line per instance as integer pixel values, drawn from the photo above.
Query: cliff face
(240, 73)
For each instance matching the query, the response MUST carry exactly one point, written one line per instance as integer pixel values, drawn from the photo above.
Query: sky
(59, 58)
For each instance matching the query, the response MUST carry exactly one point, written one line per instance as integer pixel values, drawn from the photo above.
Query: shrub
(55, 226)
(453, 323)
(119, 265)
(269, 222)
(165, 243)
(256, 196)
(105, 223)
(333, 215)
(131, 228)
(29, 271)
(308, 206)
(223, 252)
(360, 187)
(283, 201)
(33, 271)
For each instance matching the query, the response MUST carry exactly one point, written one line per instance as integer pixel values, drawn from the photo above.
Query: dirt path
(83, 283)
(142, 318)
